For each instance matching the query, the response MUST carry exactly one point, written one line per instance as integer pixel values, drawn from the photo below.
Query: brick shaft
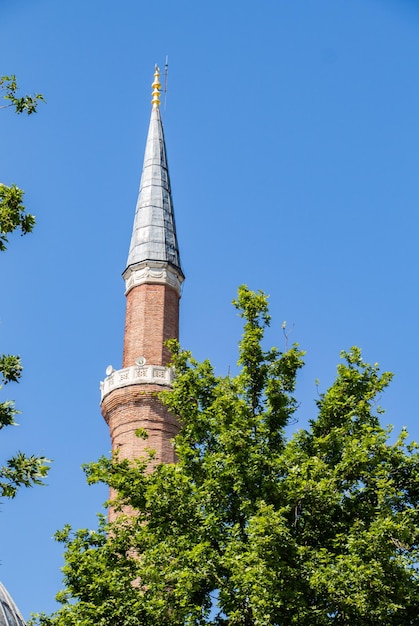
(152, 317)
(130, 408)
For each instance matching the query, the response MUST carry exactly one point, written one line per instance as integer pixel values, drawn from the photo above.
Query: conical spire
(154, 232)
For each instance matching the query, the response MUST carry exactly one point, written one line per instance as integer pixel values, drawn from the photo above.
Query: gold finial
(156, 89)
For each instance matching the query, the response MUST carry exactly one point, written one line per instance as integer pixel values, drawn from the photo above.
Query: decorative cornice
(136, 375)
(159, 272)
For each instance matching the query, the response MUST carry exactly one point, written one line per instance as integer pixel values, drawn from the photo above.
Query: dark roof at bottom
(9, 613)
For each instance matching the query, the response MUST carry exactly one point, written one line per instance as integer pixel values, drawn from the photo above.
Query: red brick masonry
(152, 317)
(128, 408)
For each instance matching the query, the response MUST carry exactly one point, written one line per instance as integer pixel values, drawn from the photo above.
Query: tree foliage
(253, 527)
(12, 214)
(21, 469)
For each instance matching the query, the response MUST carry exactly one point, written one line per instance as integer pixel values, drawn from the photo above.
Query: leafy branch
(22, 104)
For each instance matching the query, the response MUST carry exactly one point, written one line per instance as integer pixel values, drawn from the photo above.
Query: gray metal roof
(154, 232)
(9, 614)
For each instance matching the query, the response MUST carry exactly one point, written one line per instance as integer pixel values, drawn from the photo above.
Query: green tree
(21, 469)
(252, 527)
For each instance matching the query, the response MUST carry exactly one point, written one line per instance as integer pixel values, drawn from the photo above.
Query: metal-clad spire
(154, 232)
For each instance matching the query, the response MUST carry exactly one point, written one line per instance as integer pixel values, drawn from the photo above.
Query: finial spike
(155, 101)
(166, 76)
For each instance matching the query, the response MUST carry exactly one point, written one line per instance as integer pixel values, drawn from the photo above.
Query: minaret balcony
(136, 375)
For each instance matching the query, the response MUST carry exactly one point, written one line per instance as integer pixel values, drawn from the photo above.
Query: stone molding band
(135, 375)
(158, 272)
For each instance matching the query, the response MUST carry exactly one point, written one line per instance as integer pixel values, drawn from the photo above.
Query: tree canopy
(254, 527)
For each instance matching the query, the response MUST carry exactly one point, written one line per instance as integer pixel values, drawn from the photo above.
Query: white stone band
(152, 272)
(134, 375)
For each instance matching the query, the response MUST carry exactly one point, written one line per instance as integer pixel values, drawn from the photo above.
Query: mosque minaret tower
(153, 279)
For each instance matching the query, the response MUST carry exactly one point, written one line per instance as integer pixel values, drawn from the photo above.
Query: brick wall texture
(137, 406)
(152, 317)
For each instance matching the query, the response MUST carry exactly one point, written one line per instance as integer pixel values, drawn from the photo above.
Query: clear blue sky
(293, 141)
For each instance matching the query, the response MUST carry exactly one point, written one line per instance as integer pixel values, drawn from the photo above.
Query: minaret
(153, 279)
